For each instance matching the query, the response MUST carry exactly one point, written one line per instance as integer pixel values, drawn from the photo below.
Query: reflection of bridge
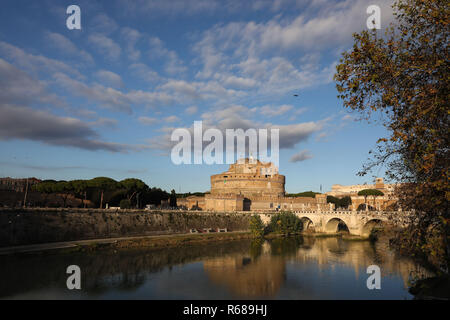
(358, 223)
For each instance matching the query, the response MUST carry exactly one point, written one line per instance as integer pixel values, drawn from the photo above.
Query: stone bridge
(358, 223)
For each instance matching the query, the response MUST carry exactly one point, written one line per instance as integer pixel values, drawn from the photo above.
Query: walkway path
(73, 244)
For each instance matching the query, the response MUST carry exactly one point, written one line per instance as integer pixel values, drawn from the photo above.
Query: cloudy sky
(103, 100)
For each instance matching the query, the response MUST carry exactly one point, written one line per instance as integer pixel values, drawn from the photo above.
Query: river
(282, 268)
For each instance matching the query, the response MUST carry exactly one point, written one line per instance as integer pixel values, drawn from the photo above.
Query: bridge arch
(371, 225)
(335, 225)
(308, 224)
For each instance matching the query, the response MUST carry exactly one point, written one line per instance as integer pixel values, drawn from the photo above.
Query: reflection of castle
(252, 185)
(265, 276)
(359, 255)
(246, 277)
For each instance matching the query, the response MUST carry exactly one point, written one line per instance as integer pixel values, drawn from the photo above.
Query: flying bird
(295, 95)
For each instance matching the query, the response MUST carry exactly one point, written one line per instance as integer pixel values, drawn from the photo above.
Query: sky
(104, 100)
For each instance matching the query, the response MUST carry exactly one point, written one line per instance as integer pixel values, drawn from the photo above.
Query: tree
(285, 223)
(309, 194)
(125, 204)
(46, 187)
(331, 199)
(133, 187)
(340, 202)
(256, 226)
(80, 187)
(403, 78)
(173, 199)
(370, 192)
(103, 184)
(345, 202)
(154, 196)
(64, 189)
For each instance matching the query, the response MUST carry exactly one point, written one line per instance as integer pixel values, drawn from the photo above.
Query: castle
(251, 185)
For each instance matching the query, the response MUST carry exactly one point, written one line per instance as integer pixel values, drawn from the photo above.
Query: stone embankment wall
(31, 226)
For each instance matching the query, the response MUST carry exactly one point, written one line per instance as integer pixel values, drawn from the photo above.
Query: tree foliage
(370, 192)
(133, 188)
(285, 223)
(309, 194)
(103, 188)
(403, 80)
(343, 202)
(173, 199)
(103, 184)
(125, 204)
(256, 226)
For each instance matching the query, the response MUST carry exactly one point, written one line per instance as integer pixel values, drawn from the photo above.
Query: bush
(285, 223)
(256, 226)
(125, 204)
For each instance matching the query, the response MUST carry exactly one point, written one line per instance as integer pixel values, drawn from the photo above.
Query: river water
(283, 268)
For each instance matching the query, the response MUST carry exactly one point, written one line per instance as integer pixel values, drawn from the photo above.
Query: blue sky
(103, 100)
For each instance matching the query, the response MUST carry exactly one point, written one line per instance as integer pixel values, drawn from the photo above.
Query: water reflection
(284, 268)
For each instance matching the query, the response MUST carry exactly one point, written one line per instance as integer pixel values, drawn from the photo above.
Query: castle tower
(249, 178)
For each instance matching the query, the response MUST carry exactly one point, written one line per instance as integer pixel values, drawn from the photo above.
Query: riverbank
(26, 226)
(159, 241)
(154, 241)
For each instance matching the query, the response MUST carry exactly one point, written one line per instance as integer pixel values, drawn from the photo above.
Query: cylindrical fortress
(249, 178)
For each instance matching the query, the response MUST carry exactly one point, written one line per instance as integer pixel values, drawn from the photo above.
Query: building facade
(385, 202)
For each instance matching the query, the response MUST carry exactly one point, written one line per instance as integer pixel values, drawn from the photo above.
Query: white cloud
(239, 82)
(173, 64)
(109, 78)
(17, 87)
(296, 113)
(114, 99)
(172, 119)
(192, 110)
(301, 156)
(102, 23)
(104, 122)
(105, 46)
(131, 37)
(156, 7)
(292, 134)
(105, 96)
(27, 124)
(238, 117)
(181, 88)
(272, 111)
(348, 117)
(35, 63)
(68, 47)
(148, 121)
(143, 72)
(258, 55)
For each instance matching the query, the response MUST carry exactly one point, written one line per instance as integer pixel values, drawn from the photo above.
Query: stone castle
(252, 185)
